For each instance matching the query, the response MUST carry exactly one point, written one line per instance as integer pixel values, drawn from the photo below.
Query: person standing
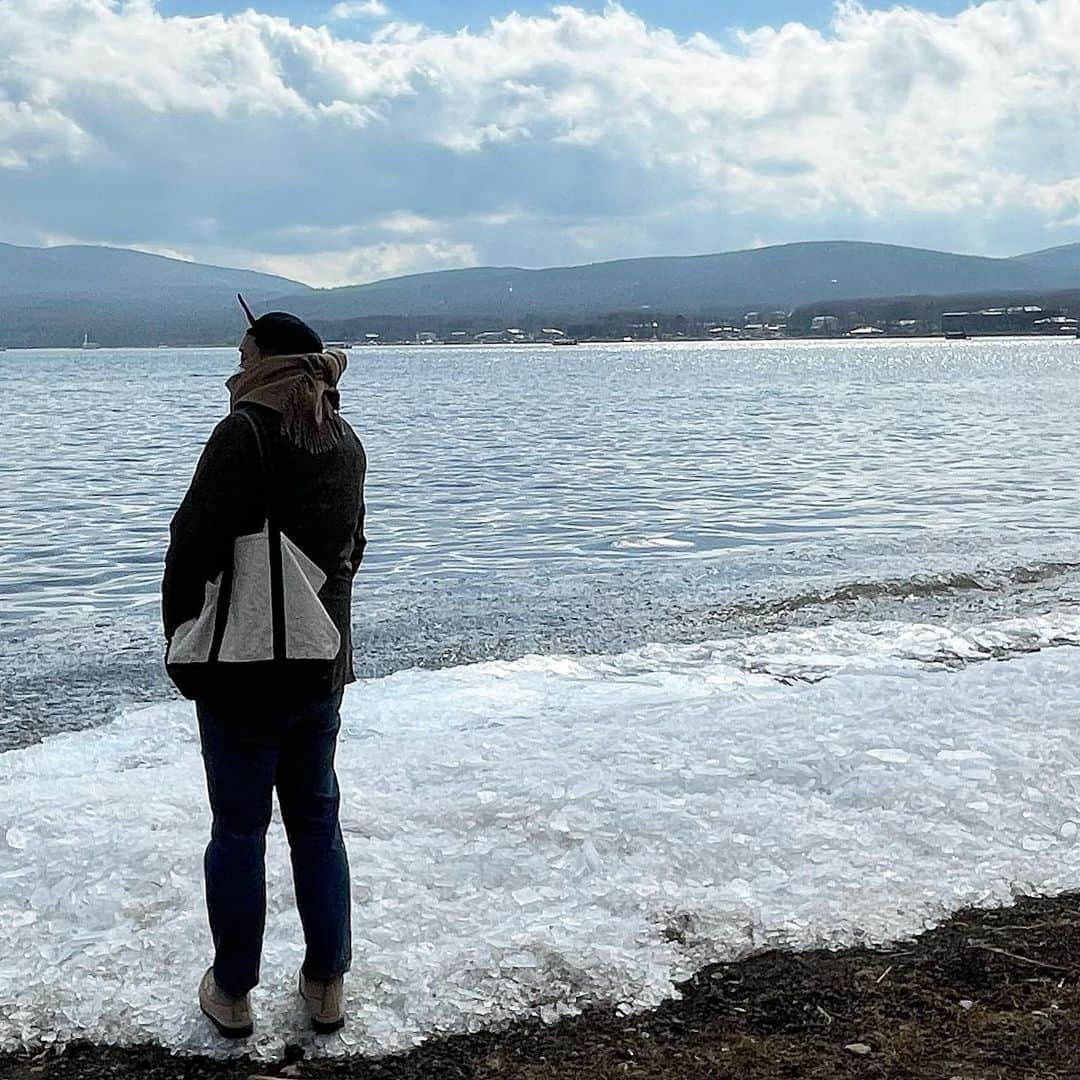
(256, 605)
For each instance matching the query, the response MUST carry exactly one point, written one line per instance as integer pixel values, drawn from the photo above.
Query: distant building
(825, 325)
(1019, 319)
(1057, 324)
(512, 335)
(758, 331)
(954, 324)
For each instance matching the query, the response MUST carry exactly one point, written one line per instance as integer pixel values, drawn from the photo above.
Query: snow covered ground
(546, 833)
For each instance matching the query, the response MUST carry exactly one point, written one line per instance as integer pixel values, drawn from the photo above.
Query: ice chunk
(891, 755)
(592, 856)
(632, 543)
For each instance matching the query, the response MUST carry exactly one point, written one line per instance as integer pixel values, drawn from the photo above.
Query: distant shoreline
(61, 296)
(771, 340)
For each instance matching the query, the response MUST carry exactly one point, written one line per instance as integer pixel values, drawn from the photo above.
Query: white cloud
(360, 9)
(32, 133)
(407, 224)
(538, 139)
(363, 264)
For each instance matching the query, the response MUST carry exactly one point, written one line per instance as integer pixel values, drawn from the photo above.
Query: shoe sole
(229, 1032)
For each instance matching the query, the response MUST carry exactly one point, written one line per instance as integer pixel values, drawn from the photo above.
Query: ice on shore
(530, 837)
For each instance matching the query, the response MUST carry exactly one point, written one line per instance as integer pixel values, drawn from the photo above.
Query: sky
(715, 17)
(339, 141)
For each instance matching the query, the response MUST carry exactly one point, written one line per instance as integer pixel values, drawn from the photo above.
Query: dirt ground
(990, 995)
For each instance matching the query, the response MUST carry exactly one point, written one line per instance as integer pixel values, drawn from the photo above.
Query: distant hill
(52, 296)
(780, 277)
(1056, 262)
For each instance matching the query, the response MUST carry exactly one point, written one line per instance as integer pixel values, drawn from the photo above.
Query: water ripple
(537, 498)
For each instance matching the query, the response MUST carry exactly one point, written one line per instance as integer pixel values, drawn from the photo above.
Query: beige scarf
(303, 388)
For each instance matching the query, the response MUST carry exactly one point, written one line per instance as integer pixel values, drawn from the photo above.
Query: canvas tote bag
(264, 606)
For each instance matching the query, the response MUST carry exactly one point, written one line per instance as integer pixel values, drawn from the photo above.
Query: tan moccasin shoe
(324, 1000)
(230, 1015)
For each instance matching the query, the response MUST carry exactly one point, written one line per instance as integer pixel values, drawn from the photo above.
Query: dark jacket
(318, 502)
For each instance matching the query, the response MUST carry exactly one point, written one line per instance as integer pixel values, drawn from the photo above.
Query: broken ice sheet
(537, 866)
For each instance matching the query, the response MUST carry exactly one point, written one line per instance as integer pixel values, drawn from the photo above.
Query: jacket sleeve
(221, 504)
(359, 539)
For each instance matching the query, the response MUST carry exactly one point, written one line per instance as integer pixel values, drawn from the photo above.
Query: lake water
(555, 500)
(670, 653)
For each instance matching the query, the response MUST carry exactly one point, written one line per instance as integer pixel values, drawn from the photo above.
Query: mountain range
(53, 296)
(56, 295)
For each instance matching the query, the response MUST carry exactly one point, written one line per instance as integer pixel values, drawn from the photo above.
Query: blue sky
(349, 140)
(715, 17)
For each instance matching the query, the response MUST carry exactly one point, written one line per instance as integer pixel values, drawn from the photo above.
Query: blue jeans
(248, 751)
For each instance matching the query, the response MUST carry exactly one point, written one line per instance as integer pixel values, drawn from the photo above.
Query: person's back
(317, 500)
(256, 602)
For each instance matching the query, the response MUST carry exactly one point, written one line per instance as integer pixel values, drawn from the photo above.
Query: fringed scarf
(303, 389)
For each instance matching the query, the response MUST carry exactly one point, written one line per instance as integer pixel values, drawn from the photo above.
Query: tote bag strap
(273, 532)
(264, 470)
(273, 544)
(225, 589)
